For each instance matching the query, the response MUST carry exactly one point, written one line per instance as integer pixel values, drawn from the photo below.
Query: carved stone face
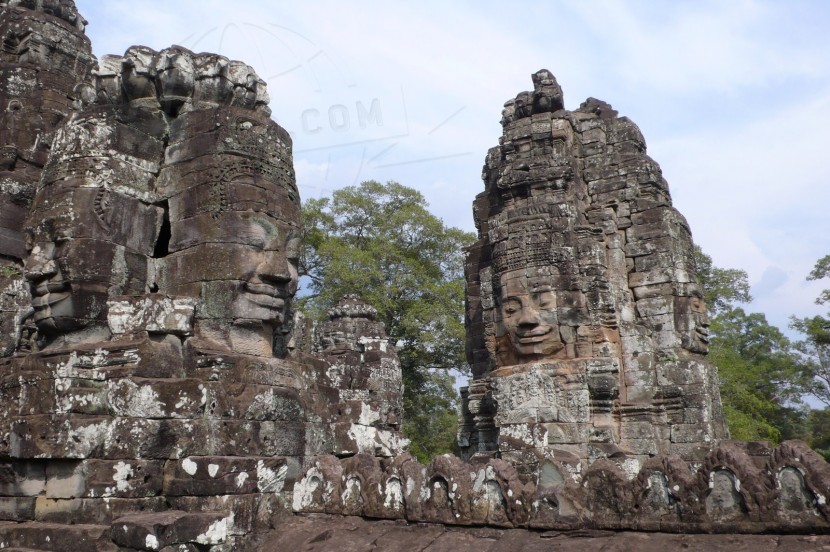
(527, 310)
(691, 321)
(236, 245)
(79, 253)
(269, 273)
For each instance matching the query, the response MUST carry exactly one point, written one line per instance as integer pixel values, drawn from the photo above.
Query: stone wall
(159, 392)
(738, 488)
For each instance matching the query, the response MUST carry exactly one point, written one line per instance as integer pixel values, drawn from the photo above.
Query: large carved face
(691, 320)
(83, 246)
(236, 243)
(92, 224)
(528, 317)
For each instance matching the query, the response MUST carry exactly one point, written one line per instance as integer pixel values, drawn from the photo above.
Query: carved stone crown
(352, 306)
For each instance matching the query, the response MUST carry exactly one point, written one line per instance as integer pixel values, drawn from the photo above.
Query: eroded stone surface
(159, 392)
(45, 55)
(147, 361)
(586, 326)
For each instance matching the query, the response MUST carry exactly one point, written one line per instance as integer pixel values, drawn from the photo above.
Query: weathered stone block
(217, 475)
(154, 531)
(22, 478)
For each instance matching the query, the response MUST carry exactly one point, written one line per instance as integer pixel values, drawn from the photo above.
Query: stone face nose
(274, 269)
(528, 316)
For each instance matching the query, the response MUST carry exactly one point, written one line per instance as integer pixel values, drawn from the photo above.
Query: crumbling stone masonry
(587, 331)
(150, 394)
(592, 405)
(738, 488)
(158, 391)
(44, 56)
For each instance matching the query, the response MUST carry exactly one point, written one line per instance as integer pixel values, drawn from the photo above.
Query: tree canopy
(381, 242)
(815, 347)
(762, 375)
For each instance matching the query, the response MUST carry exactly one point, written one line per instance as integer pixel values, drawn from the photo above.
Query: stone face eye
(512, 306)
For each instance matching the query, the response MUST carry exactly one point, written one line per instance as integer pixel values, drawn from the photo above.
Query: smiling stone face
(92, 224)
(234, 218)
(243, 265)
(529, 323)
(81, 251)
(691, 320)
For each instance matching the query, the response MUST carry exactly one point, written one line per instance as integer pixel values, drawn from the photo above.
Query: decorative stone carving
(586, 325)
(162, 239)
(152, 395)
(741, 488)
(363, 377)
(44, 56)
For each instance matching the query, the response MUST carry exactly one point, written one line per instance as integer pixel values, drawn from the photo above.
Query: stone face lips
(586, 326)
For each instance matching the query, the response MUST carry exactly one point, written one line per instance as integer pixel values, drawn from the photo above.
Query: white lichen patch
(135, 401)
(189, 466)
(81, 440)
(305, 489)
(367, 415)
(523, 433)
(479, 477)
(270, 480)
(241, 479)
(121, 477)
(335, 374)
(575, 471)
(151, 542)
(217, 533)
(213, 469)
(393, 494)
(630, 467)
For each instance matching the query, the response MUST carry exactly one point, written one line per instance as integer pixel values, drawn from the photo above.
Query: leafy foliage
(381, 242)
(815, 350)
(762, 374)
(722, 287)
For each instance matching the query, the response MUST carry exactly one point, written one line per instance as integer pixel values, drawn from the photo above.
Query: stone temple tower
(587, 332)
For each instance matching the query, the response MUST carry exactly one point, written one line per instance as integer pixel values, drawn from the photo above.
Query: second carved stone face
(691, 321)
(529, 324)
(85, 244)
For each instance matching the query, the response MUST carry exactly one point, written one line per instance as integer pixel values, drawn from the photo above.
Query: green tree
(722, 287)
(815, 351)
(819, 435)
(816, 344)
(381, 242)
(761, 373)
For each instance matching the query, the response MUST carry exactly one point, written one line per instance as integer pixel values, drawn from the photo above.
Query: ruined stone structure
(592, 405)
(156, 384)
(586, 325)
(158, 391)
(738, 488)
(44, 56)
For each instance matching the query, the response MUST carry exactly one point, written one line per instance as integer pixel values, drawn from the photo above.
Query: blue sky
(732, 97)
